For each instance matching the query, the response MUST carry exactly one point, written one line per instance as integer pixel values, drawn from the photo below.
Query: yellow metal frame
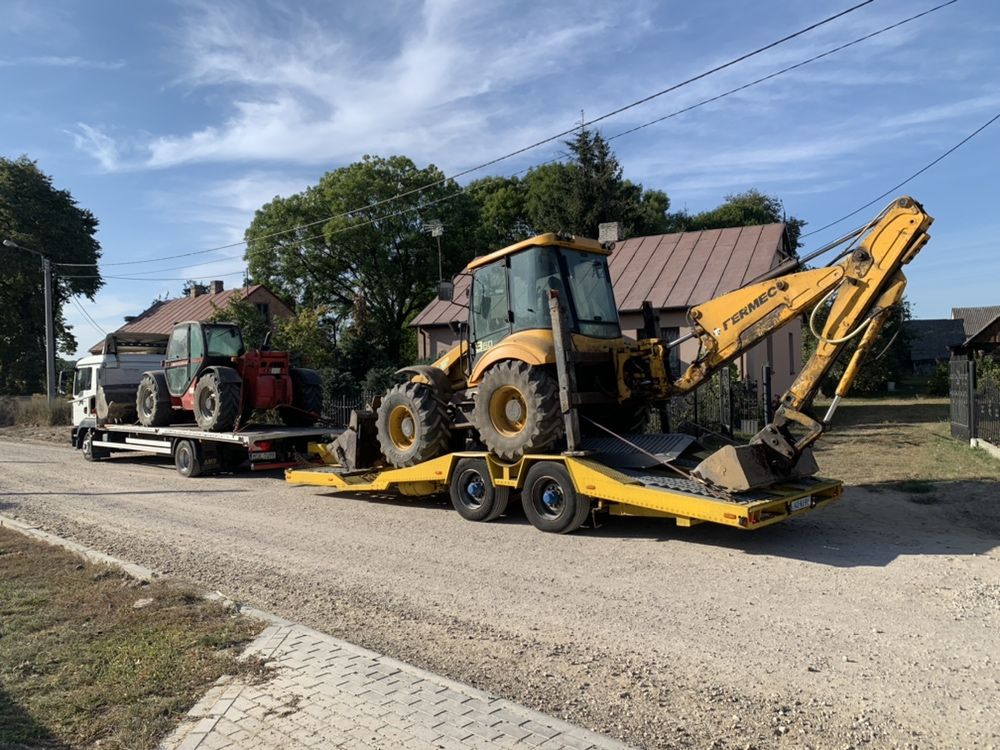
(617, 493)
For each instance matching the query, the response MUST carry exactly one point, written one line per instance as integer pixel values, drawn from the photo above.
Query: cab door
(177, 363)
(84, 391)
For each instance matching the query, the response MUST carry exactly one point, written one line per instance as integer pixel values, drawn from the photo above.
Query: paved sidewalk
(328, 693)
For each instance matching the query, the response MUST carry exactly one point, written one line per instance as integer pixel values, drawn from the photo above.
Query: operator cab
(510, 290)
(193, 346)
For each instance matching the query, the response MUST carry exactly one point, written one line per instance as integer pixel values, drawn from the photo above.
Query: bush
(939, 384)
(34, 412)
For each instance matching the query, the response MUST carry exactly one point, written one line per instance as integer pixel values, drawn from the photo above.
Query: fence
(975, 405)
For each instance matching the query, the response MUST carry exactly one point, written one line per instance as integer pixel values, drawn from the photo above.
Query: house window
(264, 309)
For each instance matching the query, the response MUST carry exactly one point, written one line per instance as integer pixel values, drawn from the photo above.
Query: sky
(174, 121)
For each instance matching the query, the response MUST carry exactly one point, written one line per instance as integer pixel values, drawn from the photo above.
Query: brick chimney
(609, 232)
(215, 287)
(194, 291)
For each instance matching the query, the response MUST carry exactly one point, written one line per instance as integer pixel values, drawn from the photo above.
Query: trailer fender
(428, 375)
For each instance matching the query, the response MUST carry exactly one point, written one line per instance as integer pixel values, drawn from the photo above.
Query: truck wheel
(152, 402)
(517, 410)
(412, 425)
(216, 403)
(307, 398)
(473, 494)
(550, 501)
(186, 458)
(93, 452)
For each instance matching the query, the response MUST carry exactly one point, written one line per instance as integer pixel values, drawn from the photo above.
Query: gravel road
(873, 623)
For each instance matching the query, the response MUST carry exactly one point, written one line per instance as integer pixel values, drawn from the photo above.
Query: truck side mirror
(61, 382)
(446, 291)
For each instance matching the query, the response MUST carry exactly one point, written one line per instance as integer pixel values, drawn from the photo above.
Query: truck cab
(104, 385)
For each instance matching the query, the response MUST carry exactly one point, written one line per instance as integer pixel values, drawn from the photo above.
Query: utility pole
(50, 336)
(436, 229)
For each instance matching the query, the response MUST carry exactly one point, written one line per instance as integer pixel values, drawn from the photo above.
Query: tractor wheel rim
(402, 427)
(208, 403)
(508, 411)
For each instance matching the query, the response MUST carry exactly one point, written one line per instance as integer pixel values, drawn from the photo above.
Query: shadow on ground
(19, 730)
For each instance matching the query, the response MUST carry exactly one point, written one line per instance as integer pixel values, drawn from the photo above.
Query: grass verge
(81, 665)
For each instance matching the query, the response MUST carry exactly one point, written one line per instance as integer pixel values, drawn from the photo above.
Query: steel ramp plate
(619, 455)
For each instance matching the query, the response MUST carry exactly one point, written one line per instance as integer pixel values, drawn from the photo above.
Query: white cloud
(99, 145)
(55, 61)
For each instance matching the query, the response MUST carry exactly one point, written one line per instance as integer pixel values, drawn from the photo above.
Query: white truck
(104, 418)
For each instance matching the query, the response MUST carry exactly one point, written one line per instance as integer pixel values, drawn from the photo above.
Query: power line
(913, 176)
(93, 323)
(144, 278)
(517, 152)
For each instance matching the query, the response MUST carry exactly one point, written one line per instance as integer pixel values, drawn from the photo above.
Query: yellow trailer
(559, 492)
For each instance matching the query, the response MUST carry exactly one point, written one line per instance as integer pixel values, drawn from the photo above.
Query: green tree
(750, 208)
(342, 253)
(889, 359)
(575, 195)
(37, 215)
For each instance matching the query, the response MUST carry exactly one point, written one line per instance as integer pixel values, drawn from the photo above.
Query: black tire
(187, 458)
(473, 494)
(550, 501)
(517, 410)
(216, 403)
(307, 400)
(412, 425)
(92, 452)
(152, 402)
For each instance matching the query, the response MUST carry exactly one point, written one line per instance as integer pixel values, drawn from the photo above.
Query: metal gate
(962, 385)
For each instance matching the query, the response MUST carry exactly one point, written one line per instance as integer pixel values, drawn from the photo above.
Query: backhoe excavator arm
(861, 289)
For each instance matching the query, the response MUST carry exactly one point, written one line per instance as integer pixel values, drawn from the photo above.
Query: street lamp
(50, 338)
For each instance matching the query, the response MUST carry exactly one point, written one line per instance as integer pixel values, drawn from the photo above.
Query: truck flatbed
(560, 491)
(196, 451)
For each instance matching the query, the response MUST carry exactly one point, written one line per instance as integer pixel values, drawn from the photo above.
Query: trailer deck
(619, 490)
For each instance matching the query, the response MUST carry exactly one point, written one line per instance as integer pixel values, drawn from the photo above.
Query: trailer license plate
(802, 502)
(265, 456)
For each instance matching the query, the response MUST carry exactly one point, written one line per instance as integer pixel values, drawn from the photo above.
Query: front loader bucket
(738, 468)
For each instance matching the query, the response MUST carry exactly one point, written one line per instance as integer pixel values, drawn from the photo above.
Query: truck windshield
(82, 380)
(223, 341)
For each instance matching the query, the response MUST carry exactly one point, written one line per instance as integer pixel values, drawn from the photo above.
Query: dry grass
(81, 666)
(34, 411)
(877, 441)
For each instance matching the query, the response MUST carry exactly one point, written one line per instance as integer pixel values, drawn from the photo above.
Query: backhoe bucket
(739, 468)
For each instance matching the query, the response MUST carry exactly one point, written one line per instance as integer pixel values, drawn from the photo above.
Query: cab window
(83, 379)
(489, 305)
(223, 341)
(178, 347)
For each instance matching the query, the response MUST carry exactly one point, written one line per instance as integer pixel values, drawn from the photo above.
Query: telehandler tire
(216, 403)
(517, 410)
(152, 402)
(412, 425)
(307, 399)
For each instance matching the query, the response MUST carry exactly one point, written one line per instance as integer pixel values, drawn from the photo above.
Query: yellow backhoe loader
(543, 347)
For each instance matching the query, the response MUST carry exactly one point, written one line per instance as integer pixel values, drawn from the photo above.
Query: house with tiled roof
(200, 303)
(932, 341)
(982, 328)
(674, 272)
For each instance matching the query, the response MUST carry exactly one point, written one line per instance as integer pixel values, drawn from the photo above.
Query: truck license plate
(802, 502)
(265, 456)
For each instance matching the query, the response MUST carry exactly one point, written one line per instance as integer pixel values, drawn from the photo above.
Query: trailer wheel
(216, 403)
(93, 452)
(473, 494)
(186, 458)
(550, 501)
